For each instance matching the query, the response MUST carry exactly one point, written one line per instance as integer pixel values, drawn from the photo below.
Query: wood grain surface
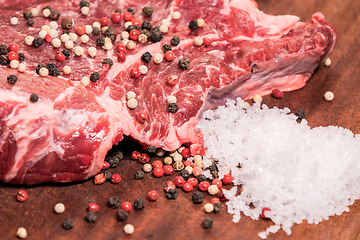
(180, 218)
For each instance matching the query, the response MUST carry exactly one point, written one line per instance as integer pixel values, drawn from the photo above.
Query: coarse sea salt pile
(298, 172)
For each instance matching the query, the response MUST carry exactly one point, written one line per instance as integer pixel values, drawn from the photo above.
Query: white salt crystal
(298, 172)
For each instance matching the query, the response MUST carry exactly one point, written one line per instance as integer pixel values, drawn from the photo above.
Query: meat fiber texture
(65, 136)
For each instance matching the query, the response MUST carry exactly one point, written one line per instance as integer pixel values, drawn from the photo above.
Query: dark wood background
(180, 218)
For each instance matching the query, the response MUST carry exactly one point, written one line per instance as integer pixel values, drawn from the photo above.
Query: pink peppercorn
(126, 206)
(169, 185)
(141, 116)
(221, 195)
(13, 47)
(179, 181)
(99, 179)
(104, 21)
(144, 158)
(187, 187)
(136, 22)
(217, 182)
(13, 56)
(276, 93)
(193, 181)
(197, 171)
(189, 163)
(264, 212)
(93, 207)
(215, 200)
(168, 170)
(135, 155)
(127, 16)
(157, 163)
(135, 72)
(59, 56)
(120, 48)
(158, 172)
(203, 186)
(106, 165)
(185, 153)
(153, 195)
(48, 38)
(227, 179)
(134, 34)
(116, 17)
(21, 195)
(203, 151)
(206, 41)
(115, 178)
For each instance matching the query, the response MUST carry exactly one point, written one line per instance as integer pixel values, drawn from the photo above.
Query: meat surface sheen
(65, 135)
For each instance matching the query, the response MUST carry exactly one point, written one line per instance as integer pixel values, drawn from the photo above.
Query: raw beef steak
(65, 135)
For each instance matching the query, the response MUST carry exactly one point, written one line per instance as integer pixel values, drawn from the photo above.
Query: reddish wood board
(180, 218)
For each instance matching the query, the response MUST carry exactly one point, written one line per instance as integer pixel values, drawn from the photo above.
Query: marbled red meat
(66, 134)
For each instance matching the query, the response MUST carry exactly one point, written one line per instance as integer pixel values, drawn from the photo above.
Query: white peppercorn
(92, 51)
(213, 190)
(22, 67)
(46, 12)
(103, 29)
(130, 95)
(67, 70)
(127, 24)
(96, 25)
(197, 158)
(176, 15)
(171, 99)
(21, 233)
(208, 208)
(147, 167)
(85, 81)
(189, 169)
(143, 69)
(14, 64)
(34, 12)
(164, 28)
(73, 37)
(29, 40)
(43, 72)
(327, 62)
(131, 44)
(142, 38)
(257, 98)
(42, 34)
(180, 149)
(88, 29)
(125, 42)
(14, 21)
(85, 10)
(201, 22)
(78, 51)
(125, 35)
(53, 25)
(132, 103)
(129, 229)
(59, 208)
(64, 38)
(329, 96)
(198, 41)
(45, 28)
(53, 33)
(160, 152)
(84, 38)
(177, 157)
(158, 58)
(69, 44)
(56, 42)
(108, 46)
(199, 163)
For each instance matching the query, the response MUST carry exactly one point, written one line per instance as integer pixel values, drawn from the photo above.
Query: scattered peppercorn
(121, 215)
(30, 22)
(153, 195)
(3, 50)
(34, 97)
(41, 65)
(184, 63)
(21, 195)
(100, 41)
(115, 178)
(166, 48)
(66, 53)
(217, 207)
(96, 31)
(21, 56)
(108, 174)
(94, 77)
(38, 42)
(197, 197)
(12, 79)
(111, 33)
(146, 57)
(151, 149)
(185, 174)
(146, 25)
(139, 175)
(300, 114)
(173, 107)
(108, 61)
(53, 70)
(171, 194)
(46, 7)
(67, 23)
(193, 25)
(139, 204)
(84, 4)
(68, 224)
(175, 41)
(207, 222)
(132, 27)
(118, 11)
(156, 35)
(91, 216)
(131, 11)
(114, 202)
(115, 158)
(27, 15)
(146, 33)
(4, 60)
(148, 11)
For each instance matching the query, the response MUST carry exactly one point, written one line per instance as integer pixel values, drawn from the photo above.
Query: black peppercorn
(4, 60)
(146, 33)
(217, 207)
(68, 224)
(185, 174)
(207, 223)
(139, 204)
(193, 25)
(131, 11)
(3, 50)
(108, 61)
(300, 114)
(148, 11)
(65, 32)
(34, 97)
(54, 15)
(38, 42)
(151, 149)
(166, 48)
(121, 215)
(139, 175)
(46, 7)
(201, 178)
(118, 11)
(41, 65)
(94, 77)
(184, 63)
(91, 216)
(12, 79)
(173, 107)
(113, 161)
(21, 56)
(100, 41)
(67, 22)
(171, 194)
(197, 197)
(30, 22)
(96, 31)
(27, 15)
(53, 70)
(131, 27)
(107, 175)
(84, 4)
(111, 33)
(66, 53)
(156, 35)
(146, 25)
(175, 40)
(146, 57)
(114, 202)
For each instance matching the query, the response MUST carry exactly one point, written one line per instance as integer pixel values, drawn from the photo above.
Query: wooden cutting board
(180, 218)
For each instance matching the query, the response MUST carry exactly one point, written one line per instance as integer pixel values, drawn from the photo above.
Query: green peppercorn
(139, 204)
(34, 97)
(184, 63)
(146, 57)
(100, 41)
(38, 42)
(114, 202)
(139, 175)
(148, 11)
(121, 215)
(171, 194)
(217, 207)
(30, 22)
(12, 79)
(54, 15)
(166, 48)
(108, 61)
(27, 15)
(66, 53)
(91, 216)
(84, 4)
(96, 31)
(111, 33)
(4, 60)
(68, 224)
(94, 77)
(3, 49)
(146, 25)
(197, 197)
(207, 222)
(173, 107)
(193, 25)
